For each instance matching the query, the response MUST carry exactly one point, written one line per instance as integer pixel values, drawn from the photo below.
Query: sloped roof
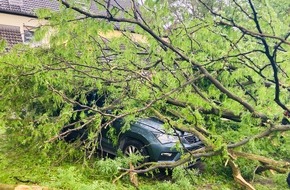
(26, 7)
(11, 34)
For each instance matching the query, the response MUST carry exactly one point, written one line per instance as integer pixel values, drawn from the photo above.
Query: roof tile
(28, 7)
(11, 34)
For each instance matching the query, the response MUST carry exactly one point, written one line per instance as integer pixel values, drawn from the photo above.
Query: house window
(28, 35)
(16, 2)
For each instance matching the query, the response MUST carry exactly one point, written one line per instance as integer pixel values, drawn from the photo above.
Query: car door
(108, 134)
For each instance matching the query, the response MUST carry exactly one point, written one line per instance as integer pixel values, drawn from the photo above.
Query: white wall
(23, 22)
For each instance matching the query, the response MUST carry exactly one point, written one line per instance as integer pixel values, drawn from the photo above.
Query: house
(18, 19)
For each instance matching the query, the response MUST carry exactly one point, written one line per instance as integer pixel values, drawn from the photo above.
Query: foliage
(28, 165)
(216, 69)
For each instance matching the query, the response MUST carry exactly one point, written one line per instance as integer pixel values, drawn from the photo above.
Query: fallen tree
(215, 69)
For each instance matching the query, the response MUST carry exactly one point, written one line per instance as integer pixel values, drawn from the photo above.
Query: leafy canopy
(217, 69)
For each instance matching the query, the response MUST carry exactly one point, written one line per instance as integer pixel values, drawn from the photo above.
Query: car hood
(156, 126)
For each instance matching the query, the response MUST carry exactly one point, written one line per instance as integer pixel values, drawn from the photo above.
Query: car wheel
(135, 147)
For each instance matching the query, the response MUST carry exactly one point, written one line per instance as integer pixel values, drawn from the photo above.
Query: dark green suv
(147, 136)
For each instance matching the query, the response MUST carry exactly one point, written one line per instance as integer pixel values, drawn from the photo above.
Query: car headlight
(165, 138)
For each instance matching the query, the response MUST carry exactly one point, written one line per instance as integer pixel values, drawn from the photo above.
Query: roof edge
(17, 13)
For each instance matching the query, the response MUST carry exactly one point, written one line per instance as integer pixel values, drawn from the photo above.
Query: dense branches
(206, 70)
